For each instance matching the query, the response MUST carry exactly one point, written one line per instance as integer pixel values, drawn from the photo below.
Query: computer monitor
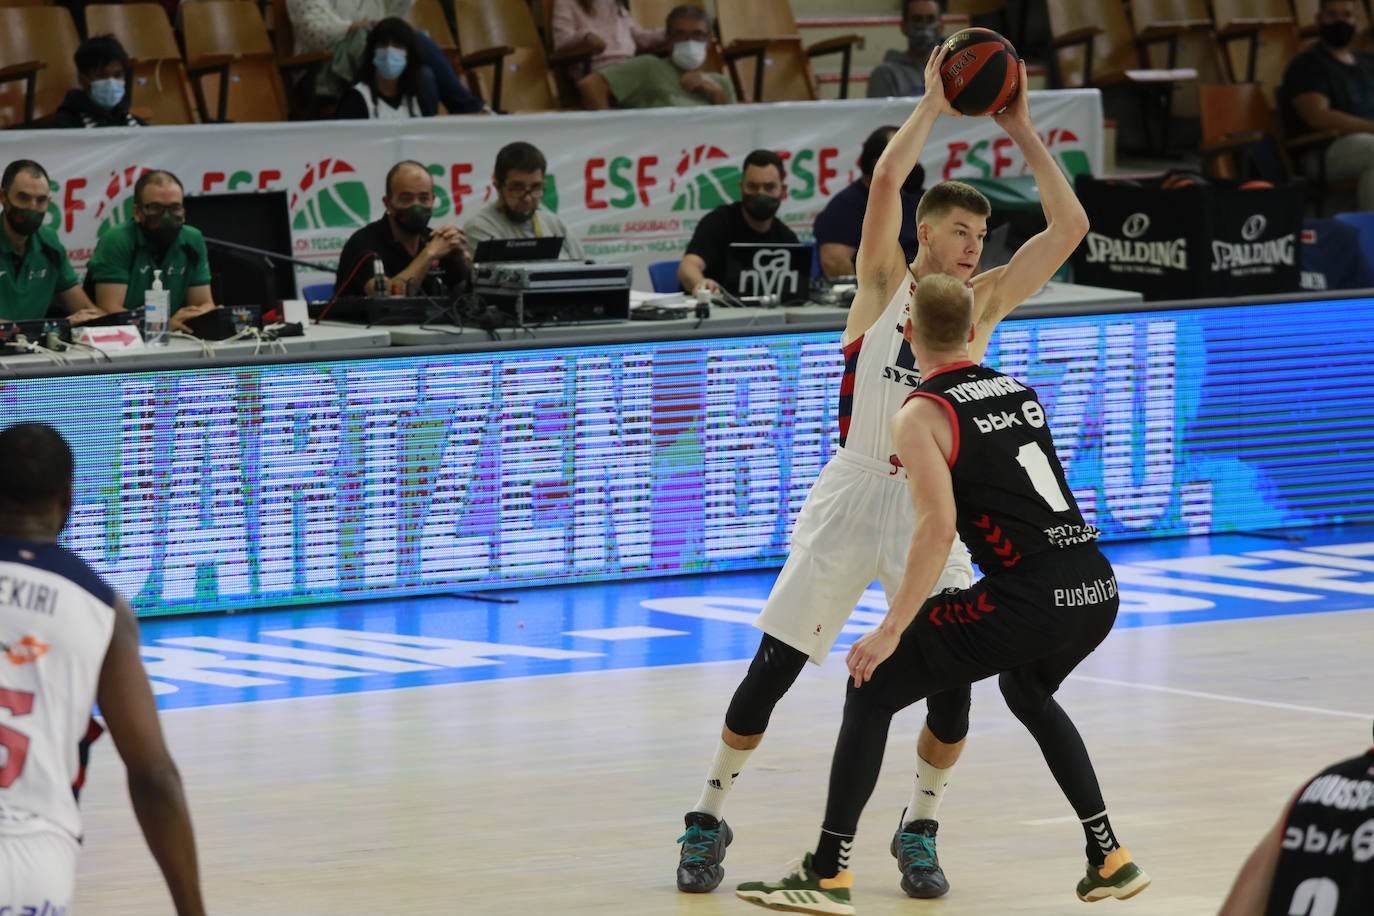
(777, 270)
(259, 219)
(545, 248)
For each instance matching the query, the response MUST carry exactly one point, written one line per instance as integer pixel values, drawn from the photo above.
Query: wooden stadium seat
(297, 70)
(1237, 115)
(230, 59)
(36, 68)
(1259, 38)
(1094, 44)
(762, 44)
(160, 84)
(1196, 47)
(503, 55)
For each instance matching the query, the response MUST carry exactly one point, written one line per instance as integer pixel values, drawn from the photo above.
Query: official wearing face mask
(157, 238)
(754, 219)
(389, 86)
(416, 259)
(1330, 86)
(902, 72)
(102, 68)
(34, 270)
(649, 81)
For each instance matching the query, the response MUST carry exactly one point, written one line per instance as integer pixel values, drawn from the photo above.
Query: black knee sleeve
(947, 713)
(771, 674)
(1025, 696)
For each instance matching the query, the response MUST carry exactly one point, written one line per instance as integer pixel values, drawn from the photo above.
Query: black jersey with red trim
(1326, 864)
(1008, 484)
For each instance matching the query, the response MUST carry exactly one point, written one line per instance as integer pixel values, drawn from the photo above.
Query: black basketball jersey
(1008, 484)
(1326, 866)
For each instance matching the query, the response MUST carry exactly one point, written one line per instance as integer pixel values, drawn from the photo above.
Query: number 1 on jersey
(1037, 465)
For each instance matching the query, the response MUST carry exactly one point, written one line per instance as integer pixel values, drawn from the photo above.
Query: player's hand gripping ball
(980, 72)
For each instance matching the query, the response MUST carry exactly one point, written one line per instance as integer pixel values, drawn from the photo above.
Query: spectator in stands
(1331, 86)
(340, 26)
(417, 260)
(903, 72)
(648, 81)
(122, 265)
(389, 81)
(517, 210)
(102, 67)
(754, 219)
(34, 270)
(839, 225)
(603, 26)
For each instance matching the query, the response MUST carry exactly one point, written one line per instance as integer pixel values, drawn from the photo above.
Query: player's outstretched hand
(935, 84)
(1018, 111)
(869, 652)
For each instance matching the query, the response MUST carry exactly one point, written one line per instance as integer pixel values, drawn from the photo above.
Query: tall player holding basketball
(66, 640)
(857, 522)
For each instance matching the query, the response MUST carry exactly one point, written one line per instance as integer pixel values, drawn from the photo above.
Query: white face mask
(689, 55)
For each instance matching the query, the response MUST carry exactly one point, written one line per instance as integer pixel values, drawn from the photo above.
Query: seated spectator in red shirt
(606, 27)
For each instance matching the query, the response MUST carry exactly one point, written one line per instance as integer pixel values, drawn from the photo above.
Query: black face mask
(761, 207)
(24, 222)
(412, 219)
(163, 230)
(1338, 34)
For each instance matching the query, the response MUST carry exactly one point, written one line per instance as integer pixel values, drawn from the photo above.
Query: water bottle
(155, 308)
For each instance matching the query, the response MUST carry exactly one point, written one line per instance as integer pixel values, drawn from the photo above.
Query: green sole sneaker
(802, 891)
(1124, 880)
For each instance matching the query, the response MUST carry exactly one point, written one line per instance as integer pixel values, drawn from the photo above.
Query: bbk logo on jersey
(1032, 414)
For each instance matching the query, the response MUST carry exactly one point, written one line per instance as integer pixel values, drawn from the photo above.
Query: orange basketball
(1182, 180)
(980, 72)
(1256, 185)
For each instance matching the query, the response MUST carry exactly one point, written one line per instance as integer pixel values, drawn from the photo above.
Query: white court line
(1220, 696)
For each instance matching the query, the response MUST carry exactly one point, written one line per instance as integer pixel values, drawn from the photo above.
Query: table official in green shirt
(122, 265)
(34, 270)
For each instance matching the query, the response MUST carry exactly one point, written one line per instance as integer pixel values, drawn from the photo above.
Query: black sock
(832, 853)
(1101, 841)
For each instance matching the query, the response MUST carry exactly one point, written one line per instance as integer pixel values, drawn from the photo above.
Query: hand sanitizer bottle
(155, 305)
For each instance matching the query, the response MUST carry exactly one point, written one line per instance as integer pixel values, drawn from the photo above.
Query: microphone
(270, 255)
(764, 301)
(380, 289)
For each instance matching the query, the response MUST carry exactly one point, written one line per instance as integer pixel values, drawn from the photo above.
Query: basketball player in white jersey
(66, 641)
(857, 522)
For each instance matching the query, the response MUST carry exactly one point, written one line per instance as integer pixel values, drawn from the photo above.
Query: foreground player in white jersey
(66, 641)
(857, 522)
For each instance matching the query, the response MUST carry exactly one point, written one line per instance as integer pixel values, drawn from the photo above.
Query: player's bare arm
(923, 435)
(1250, 894)
(130, 712)
(998, 291)
(881, 264)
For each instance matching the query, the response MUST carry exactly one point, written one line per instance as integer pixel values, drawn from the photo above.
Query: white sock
(720, 778)
(926, 792)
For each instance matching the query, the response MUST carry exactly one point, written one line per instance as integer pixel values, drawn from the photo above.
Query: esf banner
(259, 485)
(630, 184)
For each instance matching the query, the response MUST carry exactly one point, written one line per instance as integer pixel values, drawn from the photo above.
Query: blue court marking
(216, 659)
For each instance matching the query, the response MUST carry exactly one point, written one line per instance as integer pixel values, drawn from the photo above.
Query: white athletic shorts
(37, 869)
(854, 527)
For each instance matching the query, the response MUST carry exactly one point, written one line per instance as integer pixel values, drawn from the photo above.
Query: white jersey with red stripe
(56, 620)
(879, 372)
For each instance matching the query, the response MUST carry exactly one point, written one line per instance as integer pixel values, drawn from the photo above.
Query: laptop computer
(545, 248)
(777, 270)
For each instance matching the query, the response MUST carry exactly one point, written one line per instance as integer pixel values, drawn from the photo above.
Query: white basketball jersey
(879, 372)
(56, 618)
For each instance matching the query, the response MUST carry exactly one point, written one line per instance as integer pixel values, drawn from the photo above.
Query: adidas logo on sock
(714, 783)
(928, 792)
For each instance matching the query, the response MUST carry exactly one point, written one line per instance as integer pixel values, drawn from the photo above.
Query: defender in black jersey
(980, 459)
(1319, 858)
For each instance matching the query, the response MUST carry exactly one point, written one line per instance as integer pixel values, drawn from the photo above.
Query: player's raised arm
(881, 264)
(1066, 223)
(127, 705)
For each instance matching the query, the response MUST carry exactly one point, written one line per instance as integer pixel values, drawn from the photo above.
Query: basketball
(980, 72)
(1182, 180)
(1255, 185)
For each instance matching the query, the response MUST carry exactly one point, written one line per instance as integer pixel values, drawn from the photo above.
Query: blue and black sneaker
(703, 849)
(914, 847)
